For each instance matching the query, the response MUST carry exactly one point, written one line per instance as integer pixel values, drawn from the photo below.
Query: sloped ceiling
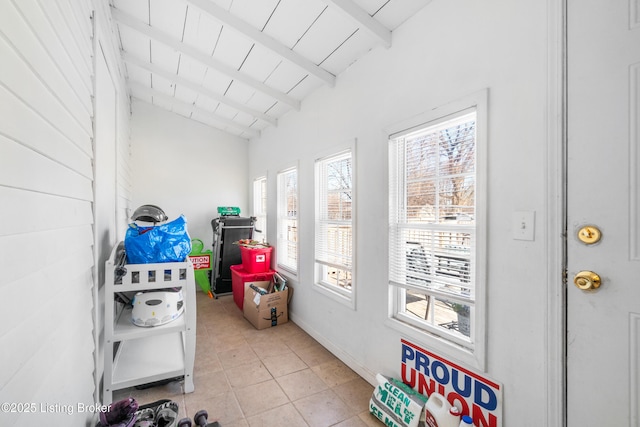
(239, 65)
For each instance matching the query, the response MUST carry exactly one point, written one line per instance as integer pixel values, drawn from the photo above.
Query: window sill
(439, 345)
(346, 300)
(287, 271)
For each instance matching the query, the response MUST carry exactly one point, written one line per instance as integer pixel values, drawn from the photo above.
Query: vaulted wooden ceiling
(239, 65)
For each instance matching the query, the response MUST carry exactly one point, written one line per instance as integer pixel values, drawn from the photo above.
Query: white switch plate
(524, 225)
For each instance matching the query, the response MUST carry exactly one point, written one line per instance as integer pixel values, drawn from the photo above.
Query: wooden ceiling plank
(168, 16)
(130, 59)
(395, 12)
(261, 38)
(145, 91)
(363, 19)
(292, 19)
(155, 34)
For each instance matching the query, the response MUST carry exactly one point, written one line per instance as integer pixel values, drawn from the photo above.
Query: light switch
(524, 225)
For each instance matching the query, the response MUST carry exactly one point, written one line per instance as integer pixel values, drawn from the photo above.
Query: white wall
(446, 51)
(48, 257)
(186, 168)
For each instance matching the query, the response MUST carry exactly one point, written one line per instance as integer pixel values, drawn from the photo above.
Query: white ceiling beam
(137, 25)
(172, 77)
(220, 121)
(226, 18)
(366, 22)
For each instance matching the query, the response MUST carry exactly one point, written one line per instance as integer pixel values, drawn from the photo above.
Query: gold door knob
(587, 280)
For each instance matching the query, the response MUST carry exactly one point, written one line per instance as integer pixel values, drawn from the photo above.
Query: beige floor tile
(369, 420)
(284, 364)
(354, 421)
(314, 354)
(223, 408)
(259, 398)
(211, 314)
(225, 342)
(323, 409)
(246, 375)
(301, 384)
(285, 415)
(238, 356)
(298, 339)
(268, 346)
(252, 334)
(287, 330)
(278, 376)
(201, 330)
(205, 345)
(206, 363)
(334, 372)
(236, 423)
(355, 393)
(211, 384)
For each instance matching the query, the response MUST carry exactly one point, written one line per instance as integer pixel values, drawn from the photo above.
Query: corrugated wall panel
(46, 221)
(70, 63)
(65, 28)
(41, 135)
(42, 75)
(39, 212)
(67, 183)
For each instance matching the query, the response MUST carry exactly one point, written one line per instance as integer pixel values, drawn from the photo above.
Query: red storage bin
(240, 277)
(256, 260)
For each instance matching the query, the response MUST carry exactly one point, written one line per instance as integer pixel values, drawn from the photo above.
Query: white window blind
(334, 222)
(260, 208)
(432, 233)
(287, 245)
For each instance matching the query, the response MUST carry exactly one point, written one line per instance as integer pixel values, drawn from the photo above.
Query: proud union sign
(477, 396)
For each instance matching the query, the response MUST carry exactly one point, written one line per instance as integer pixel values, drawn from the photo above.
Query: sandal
(145, 418)
(120, 414)
(167, 414)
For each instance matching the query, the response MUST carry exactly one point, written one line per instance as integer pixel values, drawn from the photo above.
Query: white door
(104, 163)
(603, 325)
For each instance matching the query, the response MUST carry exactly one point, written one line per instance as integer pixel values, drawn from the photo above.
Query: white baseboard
(345, 357)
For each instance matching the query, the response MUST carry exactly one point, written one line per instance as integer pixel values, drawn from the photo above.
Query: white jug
(438, 412)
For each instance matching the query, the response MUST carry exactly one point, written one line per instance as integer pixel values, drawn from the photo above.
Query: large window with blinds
(260, 208)
(287, 244)
(433, 233)
(334, 237)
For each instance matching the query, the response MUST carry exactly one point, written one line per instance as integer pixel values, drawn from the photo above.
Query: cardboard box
(265, 311)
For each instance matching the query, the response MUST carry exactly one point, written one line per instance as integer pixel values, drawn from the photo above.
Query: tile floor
(273, 377)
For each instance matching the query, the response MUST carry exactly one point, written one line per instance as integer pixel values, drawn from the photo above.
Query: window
(433, 235)
(287, 245)
(334, 224)
(260, 208)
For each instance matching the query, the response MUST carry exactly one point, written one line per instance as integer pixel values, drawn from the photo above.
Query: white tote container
(438, 412)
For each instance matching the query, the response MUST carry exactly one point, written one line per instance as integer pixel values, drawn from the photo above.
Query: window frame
(474, 351)
(260, 208)
(283, 217)
(343, 296)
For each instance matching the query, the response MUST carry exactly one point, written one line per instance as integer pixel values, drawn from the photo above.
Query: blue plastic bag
(169, 242)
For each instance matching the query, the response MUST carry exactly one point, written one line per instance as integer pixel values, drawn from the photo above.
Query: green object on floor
(201, 261)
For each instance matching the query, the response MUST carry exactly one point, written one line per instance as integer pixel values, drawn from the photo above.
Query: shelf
(125, 329)
(145, 360)
(135, 355)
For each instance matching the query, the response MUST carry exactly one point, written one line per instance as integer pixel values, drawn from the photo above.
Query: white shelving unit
(137, 355)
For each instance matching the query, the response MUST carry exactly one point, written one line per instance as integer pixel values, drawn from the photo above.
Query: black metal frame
(226, 231)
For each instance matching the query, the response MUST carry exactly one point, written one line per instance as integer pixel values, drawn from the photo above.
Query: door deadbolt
(589, 234)
(587, 280)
